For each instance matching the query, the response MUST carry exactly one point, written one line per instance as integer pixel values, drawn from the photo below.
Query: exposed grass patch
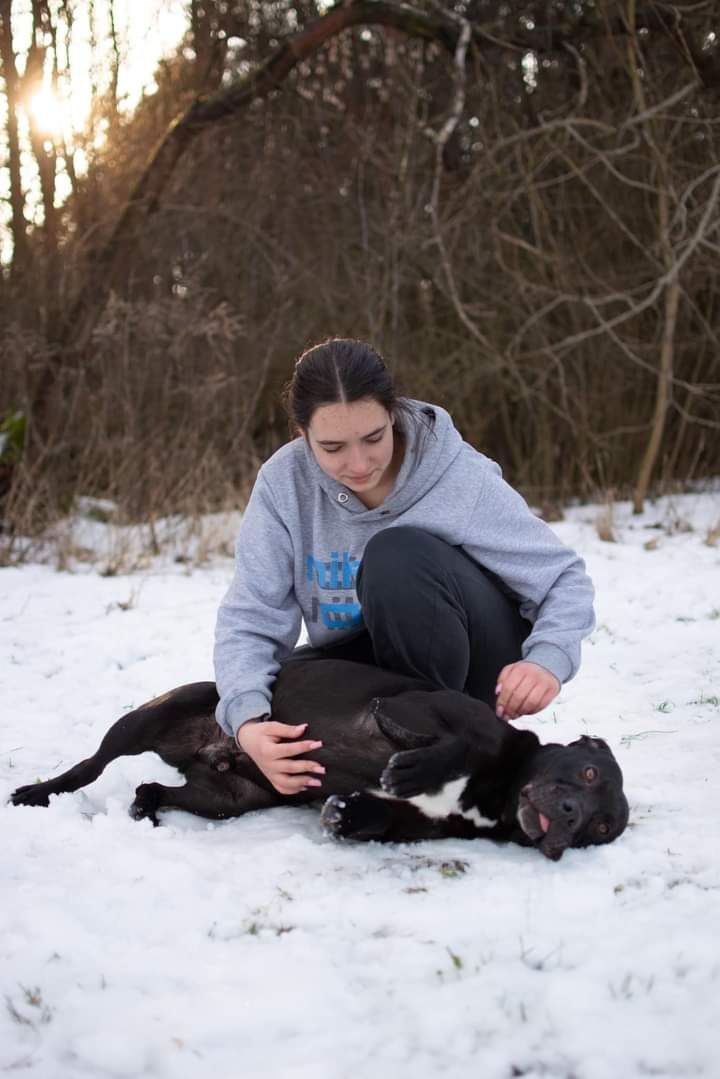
(41, 1013)
(713, 700)
(628, 739)
(605, 524)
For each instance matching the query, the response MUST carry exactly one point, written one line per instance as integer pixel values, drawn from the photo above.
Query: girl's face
(353, 443)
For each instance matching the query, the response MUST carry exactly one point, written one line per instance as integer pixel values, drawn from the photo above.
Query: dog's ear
(592, 742)
(395, 718)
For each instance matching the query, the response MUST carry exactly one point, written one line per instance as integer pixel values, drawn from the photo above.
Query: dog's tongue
(544, 822)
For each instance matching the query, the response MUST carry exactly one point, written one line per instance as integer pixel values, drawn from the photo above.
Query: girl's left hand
(523, 689)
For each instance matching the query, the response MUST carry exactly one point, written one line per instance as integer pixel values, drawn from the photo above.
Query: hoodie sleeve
(259, 618)
(548, 578)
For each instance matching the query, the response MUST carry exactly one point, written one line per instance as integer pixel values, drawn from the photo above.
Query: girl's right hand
(271, 745)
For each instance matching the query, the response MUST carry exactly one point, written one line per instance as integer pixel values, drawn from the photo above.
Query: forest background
(517, 203)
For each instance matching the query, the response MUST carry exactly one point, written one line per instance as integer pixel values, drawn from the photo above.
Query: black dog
(404, 761)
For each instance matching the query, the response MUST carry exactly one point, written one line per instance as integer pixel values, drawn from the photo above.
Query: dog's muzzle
(549, 817)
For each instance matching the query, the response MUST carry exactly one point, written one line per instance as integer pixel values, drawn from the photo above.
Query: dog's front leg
(424, 771)
(360, 816)
(365, 816)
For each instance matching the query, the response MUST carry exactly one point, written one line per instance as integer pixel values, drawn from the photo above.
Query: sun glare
(61, 111)
(47, 114)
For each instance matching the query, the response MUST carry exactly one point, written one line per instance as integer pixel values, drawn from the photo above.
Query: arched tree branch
(110, 263)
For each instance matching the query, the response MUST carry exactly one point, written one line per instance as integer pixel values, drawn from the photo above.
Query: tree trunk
(665, 371)
(18, 224)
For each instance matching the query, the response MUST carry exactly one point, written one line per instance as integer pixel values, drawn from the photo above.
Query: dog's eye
(590, 773)
(603, 829)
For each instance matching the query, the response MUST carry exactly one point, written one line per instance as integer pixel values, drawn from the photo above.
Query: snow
(258, 947)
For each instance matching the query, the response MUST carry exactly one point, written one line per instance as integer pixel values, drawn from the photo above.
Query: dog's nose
(526, 790)
(569, 808)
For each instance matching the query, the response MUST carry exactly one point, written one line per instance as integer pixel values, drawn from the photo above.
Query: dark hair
(338, 370)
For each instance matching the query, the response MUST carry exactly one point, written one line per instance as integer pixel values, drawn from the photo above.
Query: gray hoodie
(303, 535)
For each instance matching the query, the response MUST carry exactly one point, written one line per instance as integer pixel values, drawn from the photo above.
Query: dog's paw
(147, 802)
(32, 794)
(354, 816)
(332, 816)
(410, 773)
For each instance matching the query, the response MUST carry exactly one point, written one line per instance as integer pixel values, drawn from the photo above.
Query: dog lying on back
(404, 761)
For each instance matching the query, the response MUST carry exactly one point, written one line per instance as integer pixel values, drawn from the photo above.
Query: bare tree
(519, 205)
(12, 95)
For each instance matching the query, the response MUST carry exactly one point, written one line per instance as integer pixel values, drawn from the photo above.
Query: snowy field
(257, 947)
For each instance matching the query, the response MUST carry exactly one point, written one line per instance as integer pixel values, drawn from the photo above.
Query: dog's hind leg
(206, 793)
(116, 743)
(139, 731)
(38, 794)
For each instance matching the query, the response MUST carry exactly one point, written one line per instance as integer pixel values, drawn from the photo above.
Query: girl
(386, 532)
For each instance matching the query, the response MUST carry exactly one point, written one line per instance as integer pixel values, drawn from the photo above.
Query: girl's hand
(267, 743)
(523, 689)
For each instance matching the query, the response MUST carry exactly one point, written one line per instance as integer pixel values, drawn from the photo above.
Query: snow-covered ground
(257, 947)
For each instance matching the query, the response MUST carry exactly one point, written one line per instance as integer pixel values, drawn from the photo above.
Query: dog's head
(572, 797)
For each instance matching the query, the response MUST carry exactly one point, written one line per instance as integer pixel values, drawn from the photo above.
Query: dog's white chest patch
(447, 801)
